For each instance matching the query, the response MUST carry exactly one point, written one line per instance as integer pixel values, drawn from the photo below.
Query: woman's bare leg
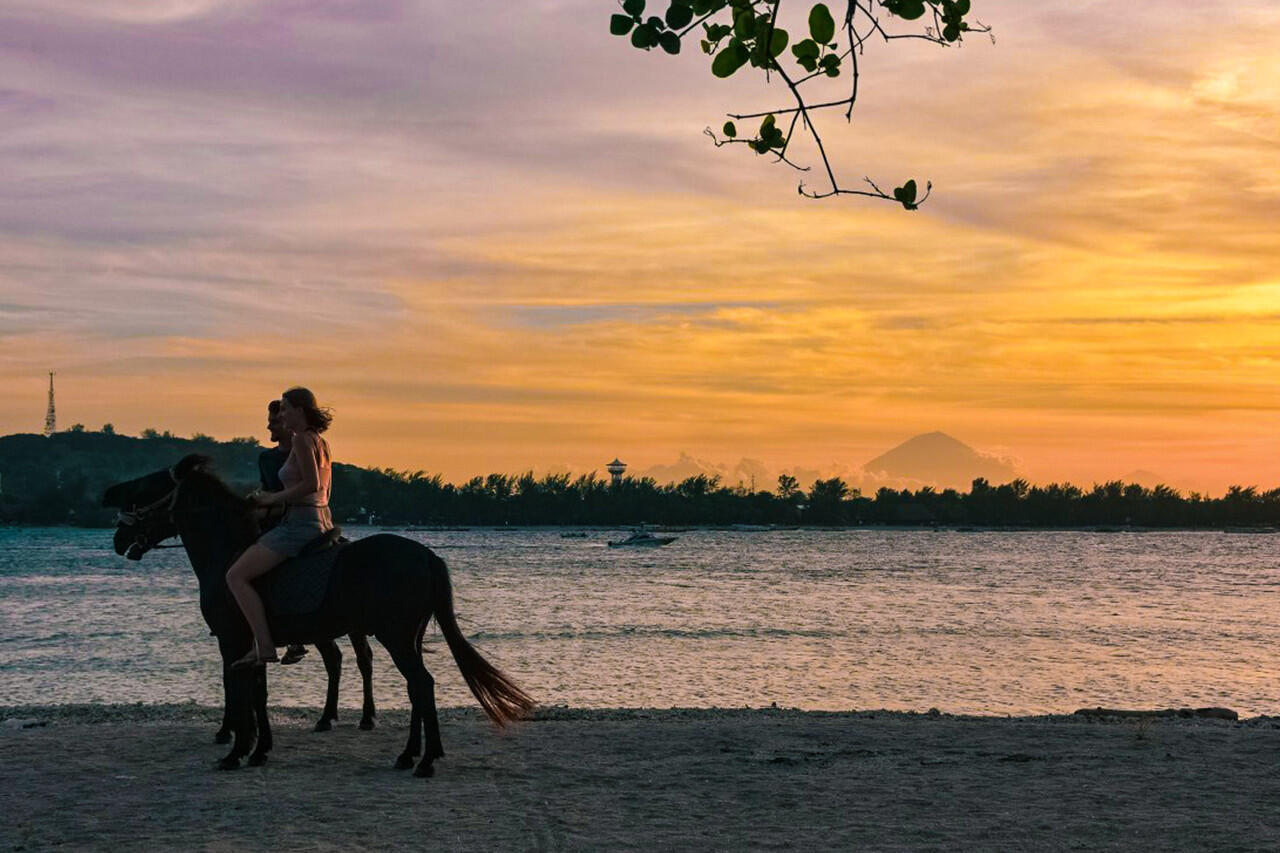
(255, 561)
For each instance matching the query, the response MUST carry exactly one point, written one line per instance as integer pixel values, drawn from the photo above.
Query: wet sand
(124, 778)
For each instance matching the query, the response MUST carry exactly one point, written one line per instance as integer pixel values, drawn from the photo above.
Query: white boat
(642, 539)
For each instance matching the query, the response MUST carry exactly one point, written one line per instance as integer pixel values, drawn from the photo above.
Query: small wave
(631, 631)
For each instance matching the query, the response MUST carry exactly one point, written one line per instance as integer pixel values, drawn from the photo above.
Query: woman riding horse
(307, 477)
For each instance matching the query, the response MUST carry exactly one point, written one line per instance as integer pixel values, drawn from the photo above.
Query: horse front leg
(332, 657)
(240, 690)
(265, 740)
(223, 734)
(364, 660)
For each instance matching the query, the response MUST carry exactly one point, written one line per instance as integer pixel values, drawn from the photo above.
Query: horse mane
(197, 469)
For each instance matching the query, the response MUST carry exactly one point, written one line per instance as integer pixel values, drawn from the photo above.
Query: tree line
(60, 480)
(497, 499)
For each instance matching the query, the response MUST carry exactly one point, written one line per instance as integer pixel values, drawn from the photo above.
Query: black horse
(383, 586)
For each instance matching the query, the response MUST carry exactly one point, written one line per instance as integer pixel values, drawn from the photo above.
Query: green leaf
(769, 121)
(778, 42)
(670, 42)
(730, 130)
(744, 24)
(821, 25)
(678, 17)
(906, 194)
(907, 9)
(644, 37)
(951, 32)
(620, 25)
(633, 7)
(732, 57)
(656, 23)
(807, 47)
(962, 7)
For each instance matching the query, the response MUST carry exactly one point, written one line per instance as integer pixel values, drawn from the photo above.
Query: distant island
(60, 479)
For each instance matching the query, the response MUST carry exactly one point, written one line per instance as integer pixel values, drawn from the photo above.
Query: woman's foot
(293, 654)
(254, 658)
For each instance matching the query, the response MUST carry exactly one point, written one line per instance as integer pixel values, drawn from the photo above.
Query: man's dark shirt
(269, 464)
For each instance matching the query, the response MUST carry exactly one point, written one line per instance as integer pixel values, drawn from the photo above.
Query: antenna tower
(50, 418)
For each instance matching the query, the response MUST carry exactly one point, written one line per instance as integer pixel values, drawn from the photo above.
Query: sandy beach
(141, 778)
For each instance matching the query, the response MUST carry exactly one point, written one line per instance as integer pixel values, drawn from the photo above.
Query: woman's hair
(318, 418)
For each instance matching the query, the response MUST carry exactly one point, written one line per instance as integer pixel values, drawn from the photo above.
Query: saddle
(298, 585)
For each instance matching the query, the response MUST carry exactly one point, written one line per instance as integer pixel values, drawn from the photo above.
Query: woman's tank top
(290, 475)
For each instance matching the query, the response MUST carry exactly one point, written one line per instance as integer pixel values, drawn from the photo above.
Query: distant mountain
(938, 459)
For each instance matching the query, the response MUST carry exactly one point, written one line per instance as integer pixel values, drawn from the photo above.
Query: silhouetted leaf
(620, 25)
(906, 194)
(908, 9)
(644, 36)
(821, 25)
(633, 7)
(678, 17)
(732, 57)
(807, 47)
(730, 130)
(670, 42)
(778, 42)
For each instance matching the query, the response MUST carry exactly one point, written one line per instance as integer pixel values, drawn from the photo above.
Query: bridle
(143, 518)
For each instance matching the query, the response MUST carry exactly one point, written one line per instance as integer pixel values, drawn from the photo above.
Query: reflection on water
(991, 623)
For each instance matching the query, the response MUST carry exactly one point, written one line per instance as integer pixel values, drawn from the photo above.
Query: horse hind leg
(413, 748)
(332, 657)
(423, 720)
(364, 660)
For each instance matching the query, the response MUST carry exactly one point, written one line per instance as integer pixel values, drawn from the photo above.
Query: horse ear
(193, 462)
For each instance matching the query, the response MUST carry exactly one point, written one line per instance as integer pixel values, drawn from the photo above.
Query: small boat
(642, 539)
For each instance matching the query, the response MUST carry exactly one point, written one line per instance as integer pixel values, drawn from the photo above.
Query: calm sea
(990, 623)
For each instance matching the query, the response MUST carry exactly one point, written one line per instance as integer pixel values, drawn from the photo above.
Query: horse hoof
(425, 770)
(257, 759)
(229, 763)
(404, 761)
(222, 737)
(323, 726)
(366, 725)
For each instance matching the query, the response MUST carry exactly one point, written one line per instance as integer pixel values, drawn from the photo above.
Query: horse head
(146, 505)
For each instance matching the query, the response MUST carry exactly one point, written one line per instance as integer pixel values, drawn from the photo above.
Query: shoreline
(192, 712)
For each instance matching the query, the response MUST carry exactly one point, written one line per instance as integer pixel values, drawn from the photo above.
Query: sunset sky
(493, 238)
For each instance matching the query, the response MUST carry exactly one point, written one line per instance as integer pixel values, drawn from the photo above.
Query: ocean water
(985, 622)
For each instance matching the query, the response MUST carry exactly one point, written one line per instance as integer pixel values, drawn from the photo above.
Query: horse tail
(500, 697)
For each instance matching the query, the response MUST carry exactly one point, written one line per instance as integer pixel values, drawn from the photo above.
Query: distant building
(616, 468)
(50, 416)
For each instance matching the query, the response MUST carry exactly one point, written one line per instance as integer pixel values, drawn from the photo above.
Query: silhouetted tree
(736, 33)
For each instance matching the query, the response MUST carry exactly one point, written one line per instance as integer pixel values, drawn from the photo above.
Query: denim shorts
(300, 525)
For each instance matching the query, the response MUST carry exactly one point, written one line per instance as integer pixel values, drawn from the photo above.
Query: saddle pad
(297, 586)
